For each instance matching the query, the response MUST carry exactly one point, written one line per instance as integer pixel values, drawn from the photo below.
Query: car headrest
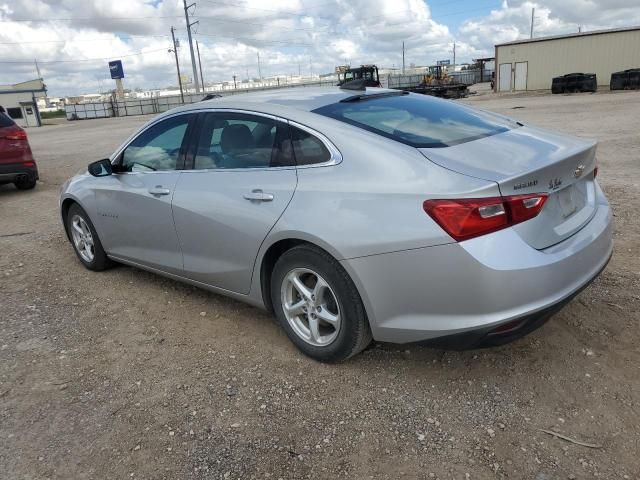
(236, 136)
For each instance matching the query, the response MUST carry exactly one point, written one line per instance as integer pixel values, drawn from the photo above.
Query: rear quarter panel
(371, 202)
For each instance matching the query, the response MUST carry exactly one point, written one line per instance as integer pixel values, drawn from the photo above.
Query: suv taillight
(471, 217)
(15, 133)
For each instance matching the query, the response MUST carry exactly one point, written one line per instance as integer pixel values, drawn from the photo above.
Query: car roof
(298, 98)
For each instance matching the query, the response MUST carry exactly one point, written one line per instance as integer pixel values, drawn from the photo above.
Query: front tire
(318, 305)
(85, 240)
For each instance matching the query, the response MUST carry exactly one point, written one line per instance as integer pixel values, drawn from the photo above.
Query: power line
(86, 40)
(243, 22)
(86, 59)
(70, 19)
(287, 42)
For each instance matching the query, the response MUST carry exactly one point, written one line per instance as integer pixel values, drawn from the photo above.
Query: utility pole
(175, 50)
(454, 56)
(200, 67)
(533, 12)
(259, 70)
(193, 57)
(403, 57)
(234, 83)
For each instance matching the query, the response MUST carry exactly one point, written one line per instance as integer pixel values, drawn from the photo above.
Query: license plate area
(568, 201)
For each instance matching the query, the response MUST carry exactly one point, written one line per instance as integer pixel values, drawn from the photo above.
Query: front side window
(418, 120)
(157, 148)
(236, 140)
(308, 149)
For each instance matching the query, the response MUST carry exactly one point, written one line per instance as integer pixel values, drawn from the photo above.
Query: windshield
(418, 120)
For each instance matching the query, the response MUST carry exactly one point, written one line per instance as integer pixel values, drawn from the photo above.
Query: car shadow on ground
(221, 310)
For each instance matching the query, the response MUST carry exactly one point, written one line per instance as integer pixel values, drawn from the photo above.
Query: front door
(242, 181)
(134, 214)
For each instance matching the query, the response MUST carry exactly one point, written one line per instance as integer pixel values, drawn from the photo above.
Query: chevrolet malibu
(353, 215)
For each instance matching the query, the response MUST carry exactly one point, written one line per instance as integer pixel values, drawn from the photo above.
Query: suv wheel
(25, 182)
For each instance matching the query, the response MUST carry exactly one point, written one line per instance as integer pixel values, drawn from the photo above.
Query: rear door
(242, 180)
(134, 205)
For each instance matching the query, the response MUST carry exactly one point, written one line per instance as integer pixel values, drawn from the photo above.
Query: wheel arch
(274, 250)
(65, 205)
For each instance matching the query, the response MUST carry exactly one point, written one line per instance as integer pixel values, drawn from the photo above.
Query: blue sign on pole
(116, 69)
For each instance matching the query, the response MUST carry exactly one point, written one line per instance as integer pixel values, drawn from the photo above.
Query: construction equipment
(368, 73)
(438, 83)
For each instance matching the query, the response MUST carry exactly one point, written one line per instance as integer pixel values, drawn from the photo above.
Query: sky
(73, 40)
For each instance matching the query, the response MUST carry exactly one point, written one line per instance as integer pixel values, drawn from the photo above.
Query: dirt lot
(124, 374)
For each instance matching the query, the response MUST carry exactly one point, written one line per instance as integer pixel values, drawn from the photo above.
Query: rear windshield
(418, 120)
(5, 121)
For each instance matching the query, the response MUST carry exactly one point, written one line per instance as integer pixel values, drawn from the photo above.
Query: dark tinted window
(308, 149)
(418, 120)
(5, 121)
(235, 140)
(158, 148)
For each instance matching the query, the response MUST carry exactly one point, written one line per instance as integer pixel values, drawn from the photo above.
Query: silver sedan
(353, 214)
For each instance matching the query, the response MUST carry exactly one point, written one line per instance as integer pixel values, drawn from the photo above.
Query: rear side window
(230, 140)
(5, 121)
(307, 148)
(418, 120)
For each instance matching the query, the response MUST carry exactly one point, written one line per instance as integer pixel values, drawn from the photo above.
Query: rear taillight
(471, 217)
(15, 133)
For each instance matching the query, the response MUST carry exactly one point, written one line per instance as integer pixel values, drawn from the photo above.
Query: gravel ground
(124, 374)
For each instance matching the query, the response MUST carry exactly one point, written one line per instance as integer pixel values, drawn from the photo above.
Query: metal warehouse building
(531, 64)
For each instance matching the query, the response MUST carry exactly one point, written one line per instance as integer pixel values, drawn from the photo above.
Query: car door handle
(258, 196)
(159, 190)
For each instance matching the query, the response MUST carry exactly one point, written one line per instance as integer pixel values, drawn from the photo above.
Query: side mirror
(101, 168)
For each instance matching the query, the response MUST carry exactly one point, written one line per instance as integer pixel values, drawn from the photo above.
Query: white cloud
(513, 20)
(290, 35)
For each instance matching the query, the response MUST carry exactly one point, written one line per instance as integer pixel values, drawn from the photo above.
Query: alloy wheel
(310, 307)
(82, 238)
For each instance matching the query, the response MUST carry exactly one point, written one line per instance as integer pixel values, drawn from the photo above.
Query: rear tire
(25, 183)
(318, 305)
(85, 240)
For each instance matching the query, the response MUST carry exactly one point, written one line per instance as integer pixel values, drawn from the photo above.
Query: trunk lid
(531, 160)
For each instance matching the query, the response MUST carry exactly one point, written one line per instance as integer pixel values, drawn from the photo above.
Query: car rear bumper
(475, 286)
(9, 173)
